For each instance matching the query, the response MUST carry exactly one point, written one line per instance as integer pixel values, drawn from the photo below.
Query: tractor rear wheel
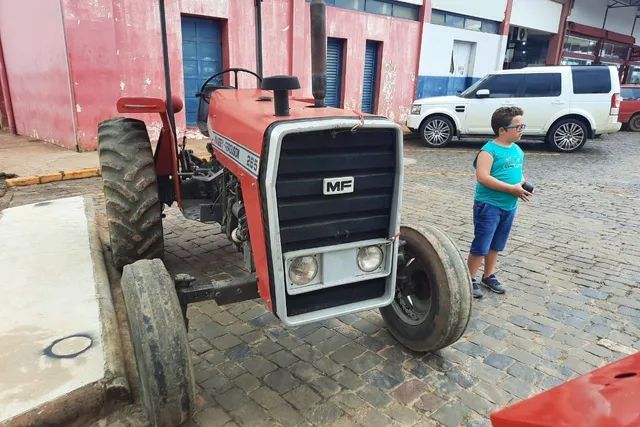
(134, 211)
(160, 343)
(432, 305)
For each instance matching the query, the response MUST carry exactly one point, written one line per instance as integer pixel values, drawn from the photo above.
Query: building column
(504, 26)
(554, 54)
(425, 18)
(6, 95)
(298, 49)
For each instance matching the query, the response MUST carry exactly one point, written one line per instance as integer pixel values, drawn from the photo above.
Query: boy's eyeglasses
(519, 128)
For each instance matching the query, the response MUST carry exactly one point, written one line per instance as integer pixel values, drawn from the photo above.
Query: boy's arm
(483, 175)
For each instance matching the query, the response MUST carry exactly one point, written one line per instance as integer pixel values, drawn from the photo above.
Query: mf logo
(331, 186)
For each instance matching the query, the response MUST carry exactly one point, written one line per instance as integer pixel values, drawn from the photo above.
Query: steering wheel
(206, 95)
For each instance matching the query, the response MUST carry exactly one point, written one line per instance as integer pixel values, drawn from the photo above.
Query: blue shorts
(491, 227)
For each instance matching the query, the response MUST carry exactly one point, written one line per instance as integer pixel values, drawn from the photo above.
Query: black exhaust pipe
(318, 51)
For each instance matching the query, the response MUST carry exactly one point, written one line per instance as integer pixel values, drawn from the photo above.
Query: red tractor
(310, 195)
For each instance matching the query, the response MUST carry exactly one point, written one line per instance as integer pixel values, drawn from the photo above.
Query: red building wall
(114, 49)
(37, 72)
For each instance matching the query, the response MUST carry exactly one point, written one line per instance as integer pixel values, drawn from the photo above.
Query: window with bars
(379, 7)
(449, 19)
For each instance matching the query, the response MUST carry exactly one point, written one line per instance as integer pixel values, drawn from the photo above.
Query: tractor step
(202, 210)
(228, 291)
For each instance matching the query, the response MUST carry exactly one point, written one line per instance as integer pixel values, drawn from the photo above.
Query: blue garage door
(334, 72)
(201, 58)
(370, 77)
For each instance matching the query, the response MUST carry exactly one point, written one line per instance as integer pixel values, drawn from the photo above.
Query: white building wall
(543, 15)
(437, 45)
(591, 12)
(434, 76)
(487, 9)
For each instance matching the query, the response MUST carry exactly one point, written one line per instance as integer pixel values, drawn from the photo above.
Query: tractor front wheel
(134, 211)
(160, 343)
(432, 305)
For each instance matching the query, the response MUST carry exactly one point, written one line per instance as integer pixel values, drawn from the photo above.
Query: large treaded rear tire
(435, 312)
(160, 343)
(134, 211)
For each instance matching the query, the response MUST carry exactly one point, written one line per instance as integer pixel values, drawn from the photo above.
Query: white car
(564, 105)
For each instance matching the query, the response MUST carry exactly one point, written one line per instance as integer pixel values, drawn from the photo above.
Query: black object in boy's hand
(527, 186)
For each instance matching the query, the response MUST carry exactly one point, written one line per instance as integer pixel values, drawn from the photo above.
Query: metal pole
(167, 73)
(318, 51)
(606, 12)
(259, 37)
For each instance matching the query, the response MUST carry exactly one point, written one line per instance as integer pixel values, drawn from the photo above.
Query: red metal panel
(587, 30)
(606, 397)
(37, 72)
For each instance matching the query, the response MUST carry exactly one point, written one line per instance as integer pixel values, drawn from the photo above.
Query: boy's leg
(498, 243)
(474, 262)
(485, 220)
(490, 262)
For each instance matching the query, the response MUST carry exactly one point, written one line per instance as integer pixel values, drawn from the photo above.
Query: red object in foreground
(606, 397)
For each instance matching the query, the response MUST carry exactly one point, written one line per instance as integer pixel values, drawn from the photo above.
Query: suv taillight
(615, 104)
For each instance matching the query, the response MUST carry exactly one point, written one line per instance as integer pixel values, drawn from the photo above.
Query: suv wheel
(634, 123)
(436, 131)
(567, 135)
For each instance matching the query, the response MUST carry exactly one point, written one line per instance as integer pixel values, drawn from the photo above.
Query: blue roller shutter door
(370, 77)
(334, 72)
(201, 58)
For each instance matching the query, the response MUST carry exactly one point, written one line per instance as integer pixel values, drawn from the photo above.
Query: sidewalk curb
(53, 177)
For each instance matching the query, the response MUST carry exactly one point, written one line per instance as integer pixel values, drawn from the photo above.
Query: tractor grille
(310, 219)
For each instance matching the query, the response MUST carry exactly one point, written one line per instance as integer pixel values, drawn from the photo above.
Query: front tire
(436, 131)
(432, 305)
(160, 343)
(634, 123)
(134, 211)
(567, 135)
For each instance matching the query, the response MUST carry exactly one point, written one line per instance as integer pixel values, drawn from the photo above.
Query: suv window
(591, 80)
(541, 84)
(502, 85)
(630, 93)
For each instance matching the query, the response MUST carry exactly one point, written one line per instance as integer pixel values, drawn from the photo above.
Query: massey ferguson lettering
(239, 154)
(333, 186)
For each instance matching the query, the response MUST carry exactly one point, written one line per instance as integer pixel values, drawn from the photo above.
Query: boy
(499, 174)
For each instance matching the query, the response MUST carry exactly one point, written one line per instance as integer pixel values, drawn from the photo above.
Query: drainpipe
(167, 72)
(4, 83)
(259, 37)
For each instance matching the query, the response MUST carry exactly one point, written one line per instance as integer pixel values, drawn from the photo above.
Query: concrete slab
(59, 346)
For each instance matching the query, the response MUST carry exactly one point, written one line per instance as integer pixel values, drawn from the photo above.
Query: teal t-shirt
(508, 163)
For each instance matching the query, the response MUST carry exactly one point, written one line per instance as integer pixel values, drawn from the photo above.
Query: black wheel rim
(414, 297)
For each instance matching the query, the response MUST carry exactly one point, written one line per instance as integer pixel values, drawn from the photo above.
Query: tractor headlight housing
(416, 108)
(370, 258)
(303, 270)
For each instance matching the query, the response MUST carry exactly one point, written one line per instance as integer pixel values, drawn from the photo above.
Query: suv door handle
(557, 102)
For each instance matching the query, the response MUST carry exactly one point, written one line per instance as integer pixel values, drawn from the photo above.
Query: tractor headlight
(370, 258)
(303, 270)
(415, 108)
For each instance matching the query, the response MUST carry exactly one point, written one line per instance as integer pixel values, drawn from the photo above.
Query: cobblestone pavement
(573, 304)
